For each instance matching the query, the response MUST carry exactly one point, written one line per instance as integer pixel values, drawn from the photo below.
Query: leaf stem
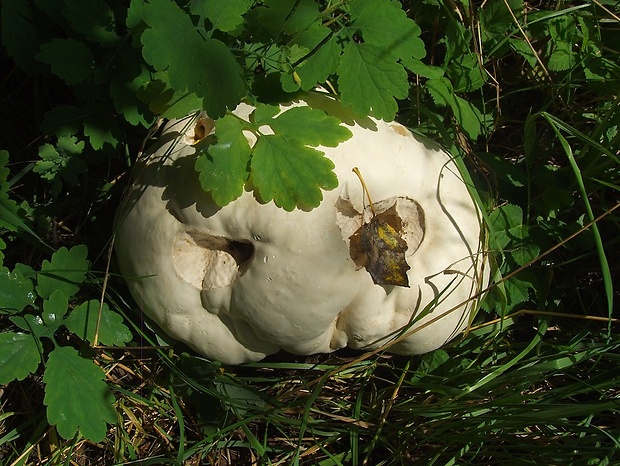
(365, 188)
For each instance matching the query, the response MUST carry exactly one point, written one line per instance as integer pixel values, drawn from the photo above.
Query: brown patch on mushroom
(204, 126)
(399, 129)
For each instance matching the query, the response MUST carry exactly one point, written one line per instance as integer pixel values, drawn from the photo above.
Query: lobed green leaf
(466, 74)
(76, 396)
(100, 128)
(310, 126)
(35, 325)
(166, 102)
(62, 120)
(440, 90)
(194, 63)
(16, 291)
(19, 35)
(126, 85)
(507, 232)
(70, 60)
(385, 25)
(264, 114)
(54, 309)
(321, 62)
(9, 217)
(66, 271)
(225, 16)
(467, 116)
(289, 173)
(19, 356)
(83, 322)
(287, 16)
(369, 82)
(96, 21)
(61, 160)
(224, 168)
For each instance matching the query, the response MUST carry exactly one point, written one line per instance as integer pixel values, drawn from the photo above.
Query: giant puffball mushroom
(240, 282)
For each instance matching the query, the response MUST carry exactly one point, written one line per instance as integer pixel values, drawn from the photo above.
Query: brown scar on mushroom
(204, 126)
(399, 129)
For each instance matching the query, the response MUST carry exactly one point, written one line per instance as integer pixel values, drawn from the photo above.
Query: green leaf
(496, 18)
(96, 21)
(422, 69)
(509, 234)
(130, 76)
(289, 55)
(287, 16)
(54, 309)
(370, 82)
(194, 63)
(385, 25)
(495, 300)
(35, 325)
(457, 41)
(225, 15)
(62, 120)
(322, 62)
(224, 169)
(69, 59)
(83, 322)
(18, 32)
(465, 73)
(61, 160)
(281, 165)
(50, 164)
(19, 356)
(4, 171)
(237, 398)
(467, 116)
(164, 101)
(524, 49)
(76, 396)
(135, 12)
(501, 221)
(10, 218)
(310, 126)
(562, 58)
(264, 114)
(16, 291)
(100, 128)
(441, 91)
(507, 172)
(290, 173)
(65, 272)
(430, 362)
(517, 291)
(562, 31)
(45, 326)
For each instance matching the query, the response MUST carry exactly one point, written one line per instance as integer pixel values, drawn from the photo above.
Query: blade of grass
(606, 272)
(503, 368)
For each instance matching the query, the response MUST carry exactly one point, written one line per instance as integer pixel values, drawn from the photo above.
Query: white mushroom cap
(243, 281)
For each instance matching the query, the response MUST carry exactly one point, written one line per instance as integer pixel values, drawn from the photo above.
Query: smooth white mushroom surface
(246, 280)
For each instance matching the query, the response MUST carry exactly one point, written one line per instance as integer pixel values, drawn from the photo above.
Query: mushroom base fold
(240, 282)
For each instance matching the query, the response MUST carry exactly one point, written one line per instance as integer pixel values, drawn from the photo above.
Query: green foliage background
(523, 94)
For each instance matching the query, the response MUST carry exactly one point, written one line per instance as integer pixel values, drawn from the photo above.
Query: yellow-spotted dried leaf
(379, 247)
